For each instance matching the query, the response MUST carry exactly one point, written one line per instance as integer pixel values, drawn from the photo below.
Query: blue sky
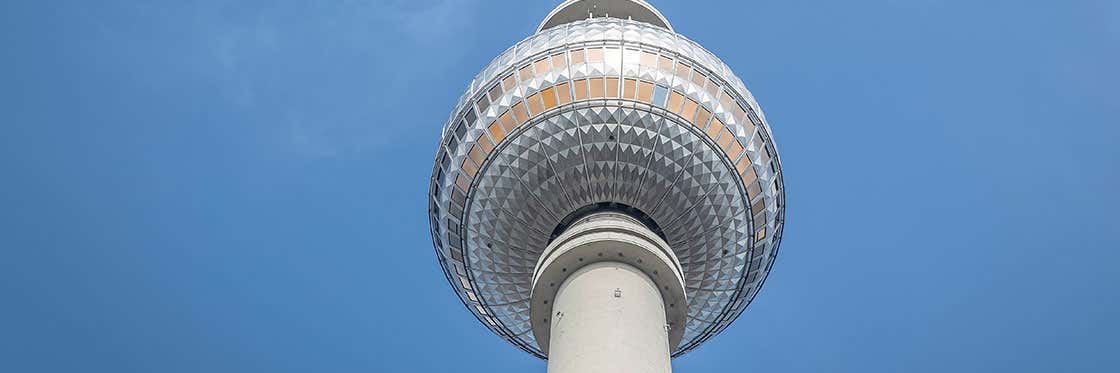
(236, 186)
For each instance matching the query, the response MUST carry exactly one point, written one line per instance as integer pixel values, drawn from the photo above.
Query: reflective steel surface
(606, 110)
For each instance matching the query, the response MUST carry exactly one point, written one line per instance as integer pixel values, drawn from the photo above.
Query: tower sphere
(606, 110)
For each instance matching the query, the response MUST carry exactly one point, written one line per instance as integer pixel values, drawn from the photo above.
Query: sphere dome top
(578, 10)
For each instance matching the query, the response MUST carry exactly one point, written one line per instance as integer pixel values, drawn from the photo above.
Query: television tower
(606, 194)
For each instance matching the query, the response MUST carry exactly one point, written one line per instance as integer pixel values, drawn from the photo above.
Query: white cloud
(252, 49)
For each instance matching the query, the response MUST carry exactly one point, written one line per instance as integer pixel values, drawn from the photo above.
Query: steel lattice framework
(610, 112)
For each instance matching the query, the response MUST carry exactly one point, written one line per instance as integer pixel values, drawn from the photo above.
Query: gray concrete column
(608, 297)
(608, 317)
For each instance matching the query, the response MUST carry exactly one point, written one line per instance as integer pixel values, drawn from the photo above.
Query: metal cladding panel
(567, 118)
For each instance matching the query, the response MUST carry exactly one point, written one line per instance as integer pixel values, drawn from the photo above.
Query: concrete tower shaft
(608, 296)
(609, 317)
